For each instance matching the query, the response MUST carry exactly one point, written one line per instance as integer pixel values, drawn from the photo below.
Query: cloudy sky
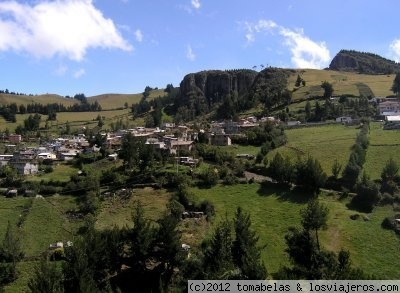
(121, 46)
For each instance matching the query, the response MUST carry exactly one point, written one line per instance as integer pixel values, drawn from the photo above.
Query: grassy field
(118, 212)
(47, 223)
(384, 144)
(10, 211)
(343, 83)
(40, 99)
(325, 143)
(273, 211)
(62, 172)
(114, 101)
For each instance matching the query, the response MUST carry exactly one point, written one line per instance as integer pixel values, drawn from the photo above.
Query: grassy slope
(47, 223)
(113, 101)
(343, 83)
(41, 99)
(115, 211)
(384, 144)
(273, 212)
(325, 143)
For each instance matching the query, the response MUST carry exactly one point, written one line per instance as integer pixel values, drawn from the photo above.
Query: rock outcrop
(215, 84)
(368, 63)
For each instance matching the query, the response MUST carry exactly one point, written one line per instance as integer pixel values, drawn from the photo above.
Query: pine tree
(245, 252)
(314, 217)
(46, 278)
(218, 261)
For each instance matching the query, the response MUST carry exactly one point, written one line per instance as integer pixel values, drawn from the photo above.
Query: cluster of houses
(170, 138)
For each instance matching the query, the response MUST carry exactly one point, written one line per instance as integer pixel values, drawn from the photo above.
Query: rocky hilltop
(213, 85)
(368, 63)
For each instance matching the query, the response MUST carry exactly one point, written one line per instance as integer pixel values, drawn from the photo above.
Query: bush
(388, 223)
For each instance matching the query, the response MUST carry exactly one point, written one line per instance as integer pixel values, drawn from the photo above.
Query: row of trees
(307, 172)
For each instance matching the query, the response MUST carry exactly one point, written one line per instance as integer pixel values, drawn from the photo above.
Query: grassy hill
(325, 143)
(344, 83)
(41, 99)
(273, 211)
(114, 101)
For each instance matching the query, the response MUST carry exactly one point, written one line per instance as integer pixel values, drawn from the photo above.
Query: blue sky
(121, 46)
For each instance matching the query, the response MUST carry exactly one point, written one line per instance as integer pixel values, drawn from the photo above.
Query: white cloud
(196, 4)
(306, 53)
(395, 49)
(190, 54)
(79, 73)
(64, 27)
(139, 35)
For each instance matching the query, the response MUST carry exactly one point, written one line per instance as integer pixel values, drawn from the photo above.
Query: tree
(46, 278)
(298, 81)
(389, 175)
(308, 110)
(328, 89)
(10, 254)
(336, 168)
(281, 169)
(396, 84)
(367, 194)
(245, 252)
(218, 261)
(314, 217)
(310, 174)
(142, 236)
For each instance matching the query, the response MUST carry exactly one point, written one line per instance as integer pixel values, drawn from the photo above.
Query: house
(15, 138)
(47, 156)
(68, 156)
(12, 193)
(25, 167)
(392, 122)
(293, 123)
(389, 106)
(220, 140)
(179, 145)
(344, 119)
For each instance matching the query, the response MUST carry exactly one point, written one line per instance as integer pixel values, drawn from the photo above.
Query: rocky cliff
(369, 63)
(215, 84)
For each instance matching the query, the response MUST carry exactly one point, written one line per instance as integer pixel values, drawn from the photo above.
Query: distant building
(220, 140)
(15, 138)
(25, 167)
(389, 106)
(344, 119)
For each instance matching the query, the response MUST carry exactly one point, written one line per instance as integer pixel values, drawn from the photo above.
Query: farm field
(383, 145)
(343, 83)
(61, 172)
(273, 211)
(118, 212)
(40, 99)
(114, 101)
(325, 143)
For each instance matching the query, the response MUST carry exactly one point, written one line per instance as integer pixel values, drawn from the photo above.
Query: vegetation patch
(274, 210)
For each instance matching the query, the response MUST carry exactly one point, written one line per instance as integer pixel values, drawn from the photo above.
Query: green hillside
(273, 211)
(344, 83)
(40, 99)
(115, 101)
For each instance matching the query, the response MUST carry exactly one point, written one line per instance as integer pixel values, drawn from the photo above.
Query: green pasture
(115, 211)
(274, 210)
(349, 83)
(61, 172)
(383, 145)
(114, 101)
(47, 222)
(325, 143)
(44, 99)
